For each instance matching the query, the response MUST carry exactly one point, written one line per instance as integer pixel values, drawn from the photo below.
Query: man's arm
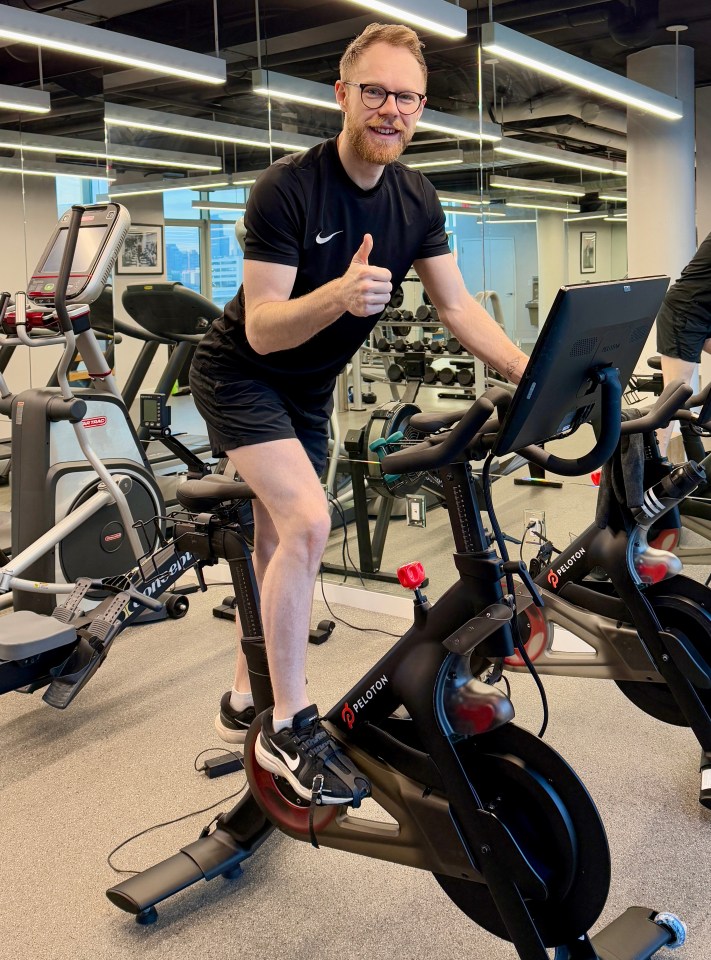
(467, 320)
(274, 322)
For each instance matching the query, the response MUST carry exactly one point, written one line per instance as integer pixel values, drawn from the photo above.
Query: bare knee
(307, 536)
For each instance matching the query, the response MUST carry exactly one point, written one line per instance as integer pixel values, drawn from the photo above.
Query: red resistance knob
(595, 477)
(411, 575)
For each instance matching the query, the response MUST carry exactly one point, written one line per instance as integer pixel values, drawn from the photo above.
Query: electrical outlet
(534, 525)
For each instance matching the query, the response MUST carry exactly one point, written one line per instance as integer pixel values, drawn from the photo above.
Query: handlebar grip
(439, 452)
(609, 435)
(668, 403)
(65, 269)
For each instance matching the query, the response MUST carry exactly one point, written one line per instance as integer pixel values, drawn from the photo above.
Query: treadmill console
(103, 229)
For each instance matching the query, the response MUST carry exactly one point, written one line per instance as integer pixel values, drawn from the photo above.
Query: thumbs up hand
(365, 289)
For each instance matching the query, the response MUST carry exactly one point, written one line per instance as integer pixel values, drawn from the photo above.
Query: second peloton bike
(503, 823)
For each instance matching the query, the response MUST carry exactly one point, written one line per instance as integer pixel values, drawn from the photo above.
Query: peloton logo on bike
(348, 713)
(553, 575)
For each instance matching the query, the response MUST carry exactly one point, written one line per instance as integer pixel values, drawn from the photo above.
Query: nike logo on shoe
(291, 762)
(320, 239)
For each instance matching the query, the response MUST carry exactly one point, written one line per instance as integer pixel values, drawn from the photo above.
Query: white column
(552, 259)
(661, 235)
(703, 162)
(661, 197)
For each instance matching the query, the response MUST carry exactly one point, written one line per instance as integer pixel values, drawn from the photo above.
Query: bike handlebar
(674, 396)
(439, 451)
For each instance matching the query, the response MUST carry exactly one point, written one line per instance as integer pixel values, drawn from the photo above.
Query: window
(226, 262)
(71, 190)
(182, 255)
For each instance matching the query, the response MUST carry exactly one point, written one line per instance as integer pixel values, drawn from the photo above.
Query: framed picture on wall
(588, 242)
(142, 250)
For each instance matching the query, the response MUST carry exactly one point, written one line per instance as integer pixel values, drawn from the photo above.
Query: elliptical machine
(80, 477)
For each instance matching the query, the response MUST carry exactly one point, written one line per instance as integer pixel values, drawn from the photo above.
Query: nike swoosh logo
(291, 762)
(320, 239)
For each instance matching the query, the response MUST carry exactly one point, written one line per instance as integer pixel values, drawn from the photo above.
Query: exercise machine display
(503, 823)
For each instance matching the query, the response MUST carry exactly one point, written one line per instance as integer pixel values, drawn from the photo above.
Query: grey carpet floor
(77, 783)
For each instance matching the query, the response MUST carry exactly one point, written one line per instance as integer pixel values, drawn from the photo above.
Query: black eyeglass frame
(396, 93)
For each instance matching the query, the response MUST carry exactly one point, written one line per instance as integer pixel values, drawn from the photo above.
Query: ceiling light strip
(517, 47)
(23, 100)
(562, 158)
(96, 150)
(542, 205)
(116, 114)
(54, 33)
(435, 16)
(535, 186)
(38, 169)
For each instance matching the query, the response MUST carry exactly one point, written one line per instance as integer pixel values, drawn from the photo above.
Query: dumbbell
(446, 376)
(418, 346)
(436, 346)
(465, 376)
(454, 346)
(401, 329)
(395, 372)
(384, 345)
(422, 313)
(400, 345)
(431, 375)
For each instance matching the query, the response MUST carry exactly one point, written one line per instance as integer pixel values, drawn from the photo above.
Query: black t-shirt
(306, 212)
(691, 294)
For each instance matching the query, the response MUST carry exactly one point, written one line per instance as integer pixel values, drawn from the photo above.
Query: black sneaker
(232, 725)
(312, 763)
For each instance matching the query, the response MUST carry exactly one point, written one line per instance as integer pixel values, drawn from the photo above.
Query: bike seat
(654, 362)
(26, 634)
(209, 492)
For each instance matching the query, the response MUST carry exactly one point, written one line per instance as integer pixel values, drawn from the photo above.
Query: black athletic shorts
(682, 335)
(241, 413)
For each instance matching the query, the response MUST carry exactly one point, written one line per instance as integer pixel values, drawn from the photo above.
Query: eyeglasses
(374, 96)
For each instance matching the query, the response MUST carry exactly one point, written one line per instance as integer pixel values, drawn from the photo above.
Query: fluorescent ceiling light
(501, 223)
(459, 127)
(66, 146)
(615, 219)
(466, 212)
(436, 16)
(535, 186)
(38, 169)
(517, 47)
(184, 183)
(543, 205)
(563, 158)
(612, 198)
(464, 199)
(283, 86)
(68, 36)
(440, 158)
(585, 216)
(116, 114)
(218, 205)
(22, 100)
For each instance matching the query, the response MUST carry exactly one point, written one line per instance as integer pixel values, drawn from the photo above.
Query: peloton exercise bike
(504, 824)
(646, 626)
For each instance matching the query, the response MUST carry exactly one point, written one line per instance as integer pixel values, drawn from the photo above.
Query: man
(684, 323)
(330, 233)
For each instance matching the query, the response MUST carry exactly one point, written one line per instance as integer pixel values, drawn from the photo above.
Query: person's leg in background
(673, 368)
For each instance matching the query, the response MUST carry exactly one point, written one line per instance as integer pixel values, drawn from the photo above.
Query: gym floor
(75, 784)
